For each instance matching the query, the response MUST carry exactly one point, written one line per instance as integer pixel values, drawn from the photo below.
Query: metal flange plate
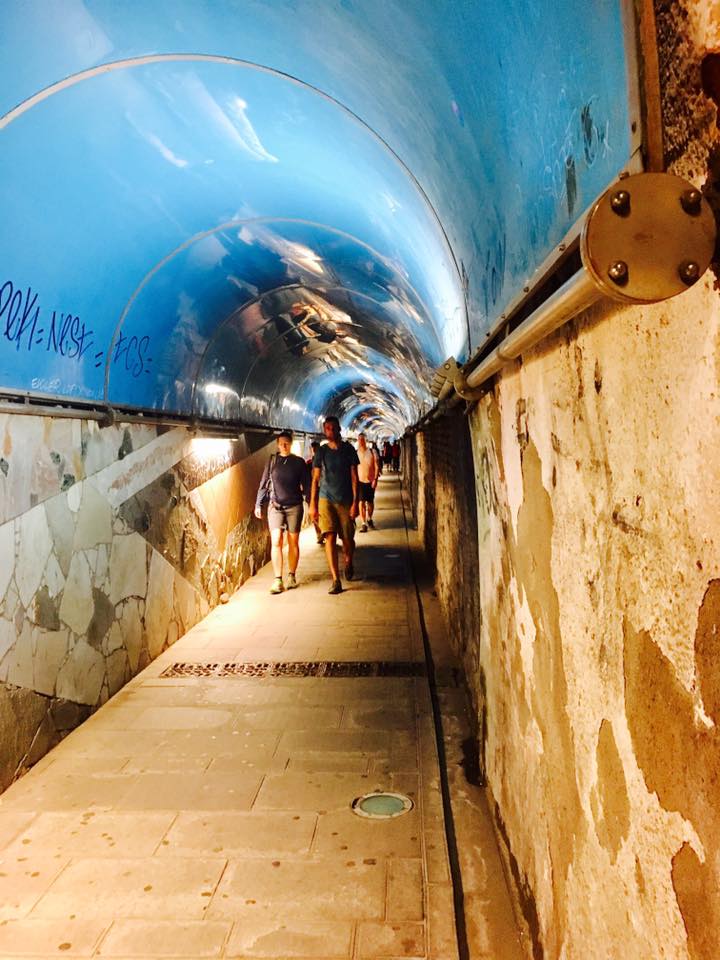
(648, 237)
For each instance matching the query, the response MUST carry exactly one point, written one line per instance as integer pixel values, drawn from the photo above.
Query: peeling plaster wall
(595, 660)
(597, 463)
(113, 542)
(600, 559)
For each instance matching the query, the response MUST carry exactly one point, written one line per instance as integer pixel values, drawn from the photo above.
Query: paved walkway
(207, 813)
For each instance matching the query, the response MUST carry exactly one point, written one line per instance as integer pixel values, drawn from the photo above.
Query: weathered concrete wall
(438, 472)
(597, 465)
(113, 542)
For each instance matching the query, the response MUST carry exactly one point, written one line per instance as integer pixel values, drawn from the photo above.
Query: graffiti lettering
(68, 336)
(132, 351)
(583, 139)
(65, 335)
(20, 320)
(493, 277)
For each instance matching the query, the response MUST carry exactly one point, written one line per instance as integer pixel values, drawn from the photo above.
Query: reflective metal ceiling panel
(168, 168)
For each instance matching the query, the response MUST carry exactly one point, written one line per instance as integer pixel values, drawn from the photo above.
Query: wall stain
(680, 762)
(565, 818)
(613, 821)
(470, 762)
(522, 429)
(570, 184)
(691, 880)
(624, 525)
(482, 727)
(707, 650)
(522, 888)
(640, 877)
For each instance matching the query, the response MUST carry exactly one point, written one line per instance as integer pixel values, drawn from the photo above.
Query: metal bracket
(449, 377)
(110, 417)
(648, 238)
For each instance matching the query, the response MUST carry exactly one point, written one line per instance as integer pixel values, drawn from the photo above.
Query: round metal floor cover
(381, 806)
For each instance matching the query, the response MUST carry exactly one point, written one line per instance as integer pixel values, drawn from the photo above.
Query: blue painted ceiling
(271, 210)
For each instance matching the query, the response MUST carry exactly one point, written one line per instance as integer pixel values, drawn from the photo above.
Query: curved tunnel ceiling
(271, 211)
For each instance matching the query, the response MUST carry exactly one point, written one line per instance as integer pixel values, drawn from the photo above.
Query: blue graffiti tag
(21, 315)
(132, 352)
(65, 335)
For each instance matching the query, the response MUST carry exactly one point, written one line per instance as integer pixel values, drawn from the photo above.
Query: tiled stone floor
(210, 817)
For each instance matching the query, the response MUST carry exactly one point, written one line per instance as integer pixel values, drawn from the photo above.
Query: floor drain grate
(317, 668)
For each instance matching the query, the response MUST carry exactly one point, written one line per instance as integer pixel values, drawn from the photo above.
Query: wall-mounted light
(211, 448)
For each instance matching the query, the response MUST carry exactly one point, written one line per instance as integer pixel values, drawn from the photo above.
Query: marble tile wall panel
(43, 456)
(110, 549)
(123, 478)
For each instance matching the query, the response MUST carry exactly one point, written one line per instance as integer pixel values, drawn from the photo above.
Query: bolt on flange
(648, 237)
(691, 202)
(620, 203)
(618, 272)
(689, 272)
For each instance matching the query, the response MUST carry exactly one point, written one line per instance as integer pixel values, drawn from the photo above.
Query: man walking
(396, 456)
(334, 498)
(367, 481)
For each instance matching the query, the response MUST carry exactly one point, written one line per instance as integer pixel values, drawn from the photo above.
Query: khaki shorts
(335, 518)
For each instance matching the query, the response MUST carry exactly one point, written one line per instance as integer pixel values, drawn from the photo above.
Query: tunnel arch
(146, 151)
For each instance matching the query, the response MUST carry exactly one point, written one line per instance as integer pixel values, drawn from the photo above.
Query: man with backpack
(334, 499)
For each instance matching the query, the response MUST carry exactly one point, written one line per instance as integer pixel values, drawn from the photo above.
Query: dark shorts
(366, 492)
(285, 518)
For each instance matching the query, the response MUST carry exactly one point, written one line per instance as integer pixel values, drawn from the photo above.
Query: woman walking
(284, 485)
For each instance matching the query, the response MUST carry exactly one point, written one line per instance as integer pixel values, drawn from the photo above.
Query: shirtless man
(367, 481)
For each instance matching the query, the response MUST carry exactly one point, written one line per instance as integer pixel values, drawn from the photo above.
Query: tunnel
(483, 234)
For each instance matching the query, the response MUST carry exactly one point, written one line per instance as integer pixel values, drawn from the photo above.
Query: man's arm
(314, 493)
(372, 473)
(354, 481)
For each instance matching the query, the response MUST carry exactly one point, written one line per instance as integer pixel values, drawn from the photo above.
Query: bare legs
(332, 554)
(276, 552)
(293, 551)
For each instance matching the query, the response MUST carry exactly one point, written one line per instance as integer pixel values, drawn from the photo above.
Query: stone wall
(597, 462)
(113, 542)
(438, 473)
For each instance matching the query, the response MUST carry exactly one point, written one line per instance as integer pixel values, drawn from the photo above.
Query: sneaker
(364, 528)
(349, 571)
(336, 587)
(291, 582)
(277, 586)
(371, 524)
